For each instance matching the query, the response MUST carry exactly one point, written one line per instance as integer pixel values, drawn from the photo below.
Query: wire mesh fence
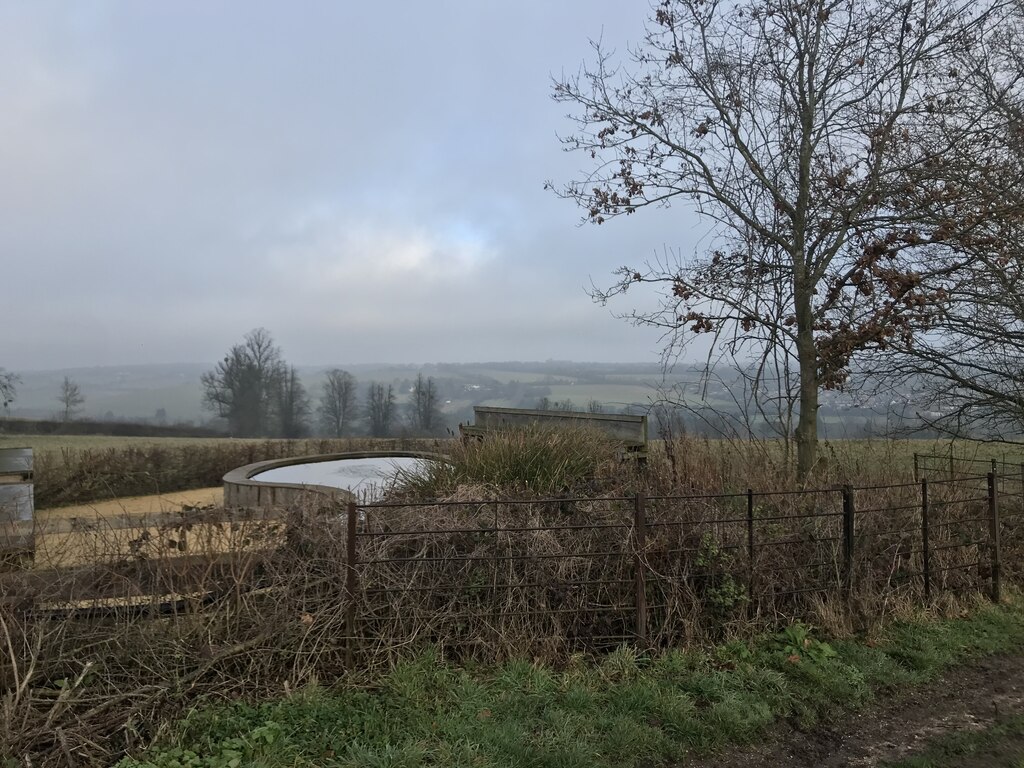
(581, 573)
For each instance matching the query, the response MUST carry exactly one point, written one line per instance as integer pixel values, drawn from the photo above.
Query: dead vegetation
(98, 658)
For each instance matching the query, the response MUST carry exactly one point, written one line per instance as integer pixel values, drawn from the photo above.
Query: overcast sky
(363, 179)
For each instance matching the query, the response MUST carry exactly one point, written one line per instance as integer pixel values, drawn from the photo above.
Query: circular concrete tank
(342, 477)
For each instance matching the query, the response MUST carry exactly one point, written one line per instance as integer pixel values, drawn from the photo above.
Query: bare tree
(380, 408)
(242, 387)
(338, 402)
(70, 398)
(812, 136)
(292, 405)
(964, 378)
(423, 407)
(8, 388)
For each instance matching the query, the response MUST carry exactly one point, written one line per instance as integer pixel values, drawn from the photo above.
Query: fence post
(351, 585)
(917, 471)
(750, 546)
(993, 534)
(951, 473)
(640, 542)
(848, 531)
(925, 549)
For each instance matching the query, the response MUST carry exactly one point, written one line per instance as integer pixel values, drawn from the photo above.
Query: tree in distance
(292, 405)
(839, 150)
(424, 410)
(242, 388)
(70, 398)
(337, 407)
(8, 388)
(380, 408)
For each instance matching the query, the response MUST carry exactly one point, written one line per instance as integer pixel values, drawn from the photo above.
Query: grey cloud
(365, 180)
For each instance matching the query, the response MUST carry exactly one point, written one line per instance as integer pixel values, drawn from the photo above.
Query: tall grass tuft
(532, 461)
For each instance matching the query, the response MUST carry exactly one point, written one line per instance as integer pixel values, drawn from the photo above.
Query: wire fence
(950, 466)
(588, 572)
(544, 577)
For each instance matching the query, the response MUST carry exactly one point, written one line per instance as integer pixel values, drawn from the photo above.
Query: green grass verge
(624, 709)
(1001, 744)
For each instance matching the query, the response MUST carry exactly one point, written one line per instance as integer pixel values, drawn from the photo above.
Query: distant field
(527, 377)
(612, 394)
(98, 442)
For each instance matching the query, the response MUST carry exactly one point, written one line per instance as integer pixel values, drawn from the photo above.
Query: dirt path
(111, 529)
(137, 505)
(965, 698)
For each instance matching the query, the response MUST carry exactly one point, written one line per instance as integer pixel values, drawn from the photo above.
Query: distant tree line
(258, 394)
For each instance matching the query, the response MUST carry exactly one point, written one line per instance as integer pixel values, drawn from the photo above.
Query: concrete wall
(16, 492)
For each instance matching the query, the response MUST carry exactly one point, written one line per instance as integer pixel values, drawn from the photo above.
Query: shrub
(533, 461)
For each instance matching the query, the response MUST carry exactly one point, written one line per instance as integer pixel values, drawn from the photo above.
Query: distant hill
(172, 393)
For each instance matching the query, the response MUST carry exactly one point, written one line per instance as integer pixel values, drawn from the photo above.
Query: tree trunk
(807, 357)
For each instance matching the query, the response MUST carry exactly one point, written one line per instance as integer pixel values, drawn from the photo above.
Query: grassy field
(626, 709)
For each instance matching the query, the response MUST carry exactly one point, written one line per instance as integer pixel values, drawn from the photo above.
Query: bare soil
(137, 505)
(969, 697)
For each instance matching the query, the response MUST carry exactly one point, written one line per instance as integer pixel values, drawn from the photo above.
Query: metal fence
(950, 466)
(593, 571)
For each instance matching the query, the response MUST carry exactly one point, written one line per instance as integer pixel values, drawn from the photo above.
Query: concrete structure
(631, 431)
(243, 488)
(16, 493)
(17, 502)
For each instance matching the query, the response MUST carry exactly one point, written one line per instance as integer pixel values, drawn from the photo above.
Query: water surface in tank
(361, 476)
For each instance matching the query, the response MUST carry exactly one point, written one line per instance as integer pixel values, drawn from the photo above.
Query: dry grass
(99, 657)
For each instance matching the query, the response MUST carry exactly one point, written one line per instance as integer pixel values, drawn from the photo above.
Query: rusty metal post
(848, 535)
(640, 542)
(925, 547)
(351, 586)
(993, 535)
(917, 469)
(750, 545)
